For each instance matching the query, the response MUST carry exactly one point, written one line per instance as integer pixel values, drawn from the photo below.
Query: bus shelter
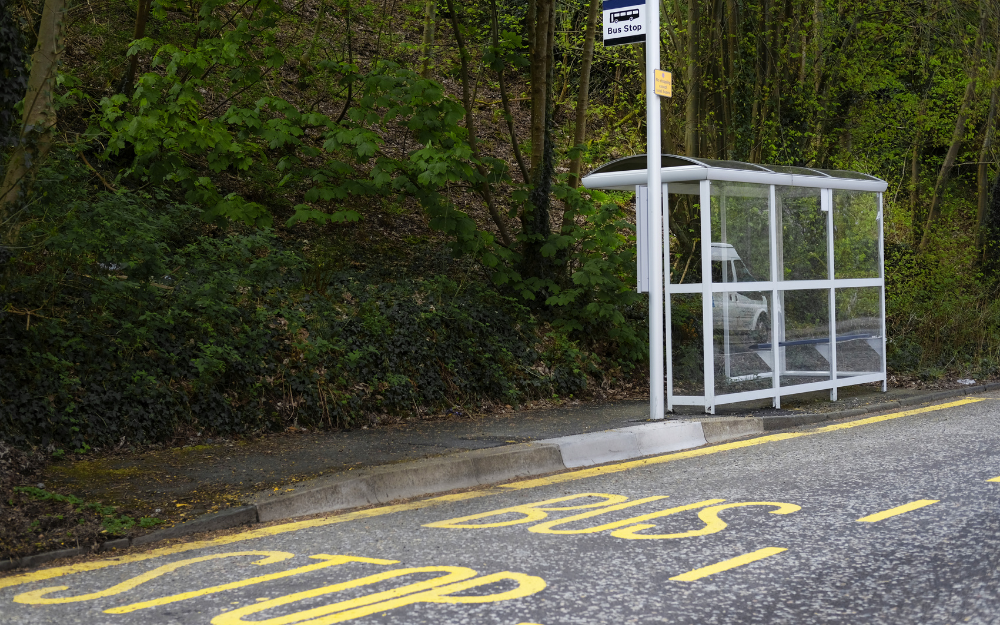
(772, 277)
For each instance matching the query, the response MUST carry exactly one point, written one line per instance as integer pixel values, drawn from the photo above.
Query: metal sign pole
(654, 201)
(635, 21)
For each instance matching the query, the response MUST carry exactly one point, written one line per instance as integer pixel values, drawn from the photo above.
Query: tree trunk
(758, 111)
(640, 56)
(540, 54)
(140, 31)
(583, 96)
(508, 115)
(39, 116)
(917, 151)
(667, 126)
(984, 154)
(730, 51)
(956, 139)
(535, 220)
(803, 45)
(915, 173)
(669, 28)
(718, 113)
(529, 27)
(812, 145)
(991, 245)
(470, 126)
(426, 46)
(13, 68)
(817, 44)
(691, 135)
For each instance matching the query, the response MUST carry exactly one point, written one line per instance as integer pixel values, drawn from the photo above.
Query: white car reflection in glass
(747, 315)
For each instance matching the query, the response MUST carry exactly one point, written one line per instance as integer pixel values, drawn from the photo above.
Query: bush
(941, 313)
(129, 320)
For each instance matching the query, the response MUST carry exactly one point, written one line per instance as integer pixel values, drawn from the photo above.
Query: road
(889, 519)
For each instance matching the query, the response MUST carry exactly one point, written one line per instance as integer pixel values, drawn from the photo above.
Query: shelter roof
(625, 173)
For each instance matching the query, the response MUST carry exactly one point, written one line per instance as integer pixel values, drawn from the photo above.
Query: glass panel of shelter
(741, 254)
(816, 238)
(859, 331)
(855, 234)
(741, 341)
(741, 250)
(684, 217)
(686, 349)
(802, 233)
(804, 338)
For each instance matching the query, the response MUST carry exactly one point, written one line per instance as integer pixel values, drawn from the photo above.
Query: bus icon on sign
(625, 16)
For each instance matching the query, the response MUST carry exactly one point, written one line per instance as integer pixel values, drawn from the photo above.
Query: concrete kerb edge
(470, 469)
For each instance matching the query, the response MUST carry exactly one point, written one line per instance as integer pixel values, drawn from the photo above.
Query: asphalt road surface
(892, 519)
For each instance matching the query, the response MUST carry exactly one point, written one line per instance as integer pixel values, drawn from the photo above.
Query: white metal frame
(655, 233)
(654, 258)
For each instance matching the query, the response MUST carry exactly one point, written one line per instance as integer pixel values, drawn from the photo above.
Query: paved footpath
(887, 519)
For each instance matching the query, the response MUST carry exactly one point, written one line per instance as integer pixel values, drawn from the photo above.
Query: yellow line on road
(726, 565)
(894, 415)
(891, 512)
(568, 476)
(608, 469)
(262, 532)
(994, 479)
(705, 451)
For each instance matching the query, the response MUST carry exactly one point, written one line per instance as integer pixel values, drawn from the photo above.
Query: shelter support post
(881, 275)
(655, 223)
(667, 328)
(706, 294)
(726, 347)
(776, 319)
(826, 204)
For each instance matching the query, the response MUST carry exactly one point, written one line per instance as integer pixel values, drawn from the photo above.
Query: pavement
(880, 518)
(313, 473)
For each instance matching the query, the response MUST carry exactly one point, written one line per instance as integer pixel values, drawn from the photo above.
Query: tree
(957, 136)
(13, 76)
(984, 154)
(583, 95)
(535, 219)
(470, 126)
(39, 117)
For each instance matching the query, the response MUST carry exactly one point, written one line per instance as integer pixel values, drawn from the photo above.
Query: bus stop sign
(624, 22)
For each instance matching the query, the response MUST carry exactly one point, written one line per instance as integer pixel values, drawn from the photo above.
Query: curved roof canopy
(626, 173)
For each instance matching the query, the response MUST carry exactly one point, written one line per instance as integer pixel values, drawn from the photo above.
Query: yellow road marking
(610, 469)
(878, 516)
(328, 561)
(726, 565)
(705, 451)
(442, 589)
(35, 576)
(37, 597)
(263, 532)
(994, 479)
(532, 512)
(546, 528)
(709, 516)
(893, 415)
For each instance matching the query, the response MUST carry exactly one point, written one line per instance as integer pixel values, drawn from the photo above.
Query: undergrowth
(942, 312)
(114, 524)
(129, 320)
